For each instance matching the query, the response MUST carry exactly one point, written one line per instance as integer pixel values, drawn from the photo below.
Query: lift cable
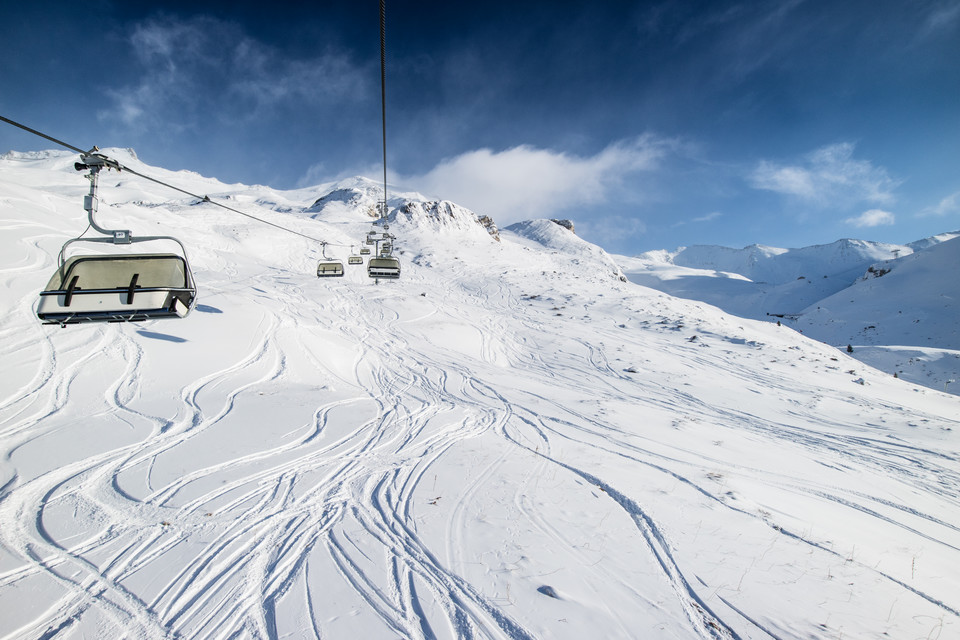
(120, 167)
(383, 95)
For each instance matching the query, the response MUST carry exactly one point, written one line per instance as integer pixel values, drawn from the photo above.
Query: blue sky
(650, 124)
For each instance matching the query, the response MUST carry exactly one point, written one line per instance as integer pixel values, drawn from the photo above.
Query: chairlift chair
(364, 251)
(384, 267)
(355, 260)
(327, 267)
(116, 286)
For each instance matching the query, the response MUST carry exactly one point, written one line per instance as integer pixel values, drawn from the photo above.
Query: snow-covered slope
(839, 293)
(507, 442)
(911, 301)
(588, 260)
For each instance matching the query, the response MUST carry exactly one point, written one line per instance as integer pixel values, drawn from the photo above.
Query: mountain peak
(443, 215)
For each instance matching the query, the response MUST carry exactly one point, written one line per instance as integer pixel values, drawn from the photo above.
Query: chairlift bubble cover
(118, 288)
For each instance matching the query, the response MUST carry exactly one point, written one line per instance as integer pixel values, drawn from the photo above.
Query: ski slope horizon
(511, 441)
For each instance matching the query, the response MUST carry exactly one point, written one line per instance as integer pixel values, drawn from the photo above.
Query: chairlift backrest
(104, 271)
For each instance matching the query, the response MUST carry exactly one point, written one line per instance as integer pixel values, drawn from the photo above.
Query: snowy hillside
(507, 442)
(900, 303)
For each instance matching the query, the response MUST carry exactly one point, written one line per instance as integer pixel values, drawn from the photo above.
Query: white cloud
(203, 67)
(707, 218)
(941, 19)
(525, 182)
(947, 206)
(872, 218)
(829, 176)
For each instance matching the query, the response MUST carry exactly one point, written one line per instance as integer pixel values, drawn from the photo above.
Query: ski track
(248, 534)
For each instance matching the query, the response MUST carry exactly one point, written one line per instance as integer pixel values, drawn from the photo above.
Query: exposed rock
(348, 196)
(444, 213)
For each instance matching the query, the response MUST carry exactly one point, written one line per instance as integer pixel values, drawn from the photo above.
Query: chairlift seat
(355, 260)
(384, 267)
(364, 251)
(329, 268)
(118, 288)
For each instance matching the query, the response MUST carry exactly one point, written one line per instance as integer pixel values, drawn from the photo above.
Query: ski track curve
(220, 549)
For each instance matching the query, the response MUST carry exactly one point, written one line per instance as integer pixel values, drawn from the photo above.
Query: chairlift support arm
(95, 162)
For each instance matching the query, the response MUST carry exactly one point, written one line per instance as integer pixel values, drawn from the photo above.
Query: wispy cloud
(872, 218)
(942, 17)
(827, 176)
(526, 182)
(740, 38)
(707, 218)
(947, 206)
(713, 215)
(202, 67)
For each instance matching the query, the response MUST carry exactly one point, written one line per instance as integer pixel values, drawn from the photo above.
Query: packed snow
(511, 441)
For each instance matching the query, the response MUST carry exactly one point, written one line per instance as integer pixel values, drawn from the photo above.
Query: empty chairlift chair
(118, 288)
(329, 268)
(384, 267)
(355, 260)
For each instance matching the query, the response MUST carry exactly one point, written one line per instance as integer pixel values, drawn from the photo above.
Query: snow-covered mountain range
(897, 306)
(513, 440)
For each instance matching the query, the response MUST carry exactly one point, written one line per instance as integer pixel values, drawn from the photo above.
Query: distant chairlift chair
(116, 287)
(329, 268)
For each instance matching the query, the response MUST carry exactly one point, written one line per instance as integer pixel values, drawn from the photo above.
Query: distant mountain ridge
(777, 266)
(895, 305)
